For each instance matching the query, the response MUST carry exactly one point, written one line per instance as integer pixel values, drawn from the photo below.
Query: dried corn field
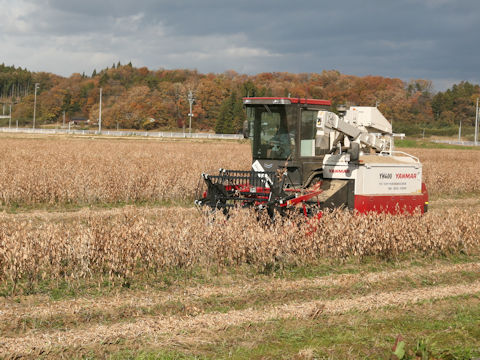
(56, 171)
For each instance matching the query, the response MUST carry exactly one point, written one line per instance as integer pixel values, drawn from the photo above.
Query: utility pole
(10, 118)
(100, 113)
(35, 103)
(476, 124)
(63, 119)
(191, 100)
(460, 130)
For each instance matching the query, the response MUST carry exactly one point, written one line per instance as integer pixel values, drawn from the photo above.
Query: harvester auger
(306, 159)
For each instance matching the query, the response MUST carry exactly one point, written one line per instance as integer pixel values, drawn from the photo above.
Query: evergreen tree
(94, 73)
(455, 104)
(231, 116)
(224, 116)
(249, 89)
(104, 78)
(238, 115)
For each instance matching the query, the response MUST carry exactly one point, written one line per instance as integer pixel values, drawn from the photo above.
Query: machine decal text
(406, 176)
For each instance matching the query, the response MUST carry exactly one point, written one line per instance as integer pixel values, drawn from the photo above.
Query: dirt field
(334, 306)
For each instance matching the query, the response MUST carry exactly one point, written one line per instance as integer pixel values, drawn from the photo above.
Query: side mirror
(354, 151)
(246, 129)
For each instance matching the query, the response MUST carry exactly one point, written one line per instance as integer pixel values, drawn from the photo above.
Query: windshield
(269, 132)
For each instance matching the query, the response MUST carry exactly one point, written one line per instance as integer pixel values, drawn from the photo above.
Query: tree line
(140, 98)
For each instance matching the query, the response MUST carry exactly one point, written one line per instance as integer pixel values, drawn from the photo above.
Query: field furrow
(168, 328)
(42, 308)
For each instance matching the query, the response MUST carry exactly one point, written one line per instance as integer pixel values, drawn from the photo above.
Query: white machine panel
(388, 179)
(367, 116)
(377, 174)
(338, 167)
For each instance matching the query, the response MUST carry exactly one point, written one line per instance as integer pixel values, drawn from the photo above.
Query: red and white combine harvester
(307, 158)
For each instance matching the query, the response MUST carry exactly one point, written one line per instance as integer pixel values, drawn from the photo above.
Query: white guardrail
(159, 134)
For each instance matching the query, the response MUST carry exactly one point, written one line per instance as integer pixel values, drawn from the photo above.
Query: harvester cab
(283, 134)
(307, 158)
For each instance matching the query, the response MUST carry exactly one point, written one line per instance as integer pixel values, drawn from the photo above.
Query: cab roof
(284, 101)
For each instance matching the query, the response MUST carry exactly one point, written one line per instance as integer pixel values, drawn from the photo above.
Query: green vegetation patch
(442, 329)
(428, 144)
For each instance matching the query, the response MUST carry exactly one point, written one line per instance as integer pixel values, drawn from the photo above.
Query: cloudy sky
(408, 39)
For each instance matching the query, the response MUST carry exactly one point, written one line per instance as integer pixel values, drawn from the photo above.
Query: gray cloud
(432, 39)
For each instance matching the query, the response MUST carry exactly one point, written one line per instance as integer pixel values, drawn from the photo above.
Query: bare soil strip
(165, 328)
(46, 308)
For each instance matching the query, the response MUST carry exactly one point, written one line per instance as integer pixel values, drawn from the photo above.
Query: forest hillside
(140, 98)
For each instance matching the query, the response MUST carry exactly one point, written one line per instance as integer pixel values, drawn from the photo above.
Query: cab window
(308, 131)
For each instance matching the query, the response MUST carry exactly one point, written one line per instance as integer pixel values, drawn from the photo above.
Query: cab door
(307, 146)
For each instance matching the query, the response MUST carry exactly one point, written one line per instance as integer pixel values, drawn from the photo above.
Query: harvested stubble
(136, 243)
